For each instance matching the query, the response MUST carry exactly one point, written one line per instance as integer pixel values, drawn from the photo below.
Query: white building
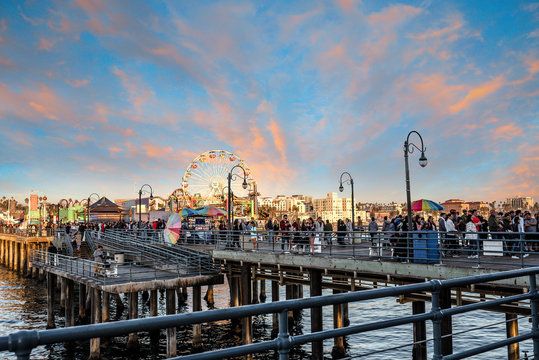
(520, 202)
(333, 208)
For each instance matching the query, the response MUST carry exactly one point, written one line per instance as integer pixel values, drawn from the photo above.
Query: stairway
(85, 251)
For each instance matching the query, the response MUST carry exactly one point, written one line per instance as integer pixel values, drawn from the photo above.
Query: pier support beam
(209, 296)
(447, 325)
(338, 342)
(132, 340)
(419, 351)
(254, 285)
(69, 303)
(105, 312)
(275, 297)
(247, 328)
(197, 328)
(51, 288)
(63, 293)
(154, 335)
(511, 326)
(262, 291)
(316, 313)
(95, 343)
(171, 332)
(82, 303)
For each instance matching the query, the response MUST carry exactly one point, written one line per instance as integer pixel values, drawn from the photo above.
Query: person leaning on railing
(99, 258)
(530, 228)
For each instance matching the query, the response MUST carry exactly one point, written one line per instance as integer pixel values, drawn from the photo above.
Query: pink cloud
(431, 33)
(347, 5)
(506, 132)
(478, 93)
(138, 94)
(115, 149)
(155, 151)
(6, 62)
(393, 15)
(46, 44)
(77, 83)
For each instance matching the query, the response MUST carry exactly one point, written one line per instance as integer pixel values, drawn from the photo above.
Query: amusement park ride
(204, 182)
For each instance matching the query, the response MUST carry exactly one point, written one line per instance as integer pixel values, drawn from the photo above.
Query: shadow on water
(23, 306)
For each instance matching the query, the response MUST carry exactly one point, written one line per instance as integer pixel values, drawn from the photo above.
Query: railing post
(284, 337)
(535, 316)
(22, 343)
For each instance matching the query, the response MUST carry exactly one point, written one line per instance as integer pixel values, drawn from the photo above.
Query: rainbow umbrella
(211, 211)
(189, 212)
(426, 205)
(173, 229)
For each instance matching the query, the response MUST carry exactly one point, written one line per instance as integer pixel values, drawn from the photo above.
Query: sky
(104, 96)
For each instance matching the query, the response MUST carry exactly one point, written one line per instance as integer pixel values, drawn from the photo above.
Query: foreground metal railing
(23, 342)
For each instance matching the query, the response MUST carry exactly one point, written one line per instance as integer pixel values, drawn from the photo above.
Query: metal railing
(27, 232)
(479, 249)
(22, 342)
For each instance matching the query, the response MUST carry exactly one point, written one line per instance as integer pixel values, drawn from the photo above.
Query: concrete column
(132, 340)
(247, 329)
(69, 303)
(209, 296)
(197, 328)
(419, 351)
(338, 343)
(95, 343)
(51, 289)
(316, 313)
(262, 290)
(275, 297)
(447, 326)
(511, 326)
(82, 303)
(105, 309)
(171, 332)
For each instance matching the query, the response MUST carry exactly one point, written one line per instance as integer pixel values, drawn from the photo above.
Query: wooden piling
(132, 340)
(275, 297)
(105, 309)
(419, 351)
(69, 302)
(209, 296)
(154, 335)
(316, 313)
(82, 303)
(24, 260)
(511, 327)
(254, 287)
(246, 333)
(338, 342)
(262, 290)
(51, 289)
(447, 326)
(197, 328)
(95, 343)
(171, 332)
(63, 293)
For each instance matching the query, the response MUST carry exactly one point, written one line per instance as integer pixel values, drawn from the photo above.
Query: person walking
(328, 232)
(472, 238)
(373, 231)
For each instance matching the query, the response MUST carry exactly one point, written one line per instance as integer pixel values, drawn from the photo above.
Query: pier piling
(511, 326)
(132, 340)
(419, 351)
(51, 280)
(171, 332)
(95, 343)
(316, 313)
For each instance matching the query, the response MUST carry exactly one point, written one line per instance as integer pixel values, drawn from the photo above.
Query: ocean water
(23, 306)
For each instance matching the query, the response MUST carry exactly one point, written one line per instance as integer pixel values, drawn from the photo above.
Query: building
(519, 202)
(455, 204)
(480, 206)
(333, 208)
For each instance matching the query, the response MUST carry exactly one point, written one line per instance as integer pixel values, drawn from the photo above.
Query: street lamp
(140, 200)
(231, 177)
(341, 188)
(409, 148)
(88, 204)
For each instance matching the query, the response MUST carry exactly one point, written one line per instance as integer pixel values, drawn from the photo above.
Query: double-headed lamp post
(341, 188)
(409, 148)
(88, 204)
(231, 177)
(140, 201)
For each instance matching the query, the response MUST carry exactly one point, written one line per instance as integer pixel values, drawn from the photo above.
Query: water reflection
(23, 306)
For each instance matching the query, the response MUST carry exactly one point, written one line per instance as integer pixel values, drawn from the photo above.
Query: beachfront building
(333, 208)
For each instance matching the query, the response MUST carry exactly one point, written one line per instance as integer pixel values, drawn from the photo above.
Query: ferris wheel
(205, 178)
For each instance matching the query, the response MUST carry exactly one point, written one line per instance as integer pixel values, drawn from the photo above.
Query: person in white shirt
(471, 236)
(452, 241)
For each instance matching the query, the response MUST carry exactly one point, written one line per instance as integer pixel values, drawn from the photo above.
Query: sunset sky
(97, 96)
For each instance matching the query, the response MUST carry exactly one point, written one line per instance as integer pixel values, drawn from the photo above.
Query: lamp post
(228, 198)
(409, 148)
(341, 188)
(88, 204)
(140, 200)
(231, 177)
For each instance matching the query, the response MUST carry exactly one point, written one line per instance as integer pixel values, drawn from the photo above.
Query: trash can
(119, 258)
(420, 249)
(426, 247)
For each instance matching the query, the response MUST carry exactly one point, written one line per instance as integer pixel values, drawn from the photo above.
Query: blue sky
(97, 96)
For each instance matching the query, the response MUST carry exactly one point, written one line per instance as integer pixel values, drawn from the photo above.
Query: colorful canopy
(426, 205)
(211, 211)
(189, 212)
(173, 229)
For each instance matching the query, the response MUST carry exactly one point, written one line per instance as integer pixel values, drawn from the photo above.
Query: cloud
(77, 83)
(46, 44)
(393, 15)
(478, 93)
(506, 132)
(6, 62)
(138, 94)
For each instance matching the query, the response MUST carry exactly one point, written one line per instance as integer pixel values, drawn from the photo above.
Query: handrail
(22, 342)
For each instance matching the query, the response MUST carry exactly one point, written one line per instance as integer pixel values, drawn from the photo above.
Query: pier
(142, 264)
